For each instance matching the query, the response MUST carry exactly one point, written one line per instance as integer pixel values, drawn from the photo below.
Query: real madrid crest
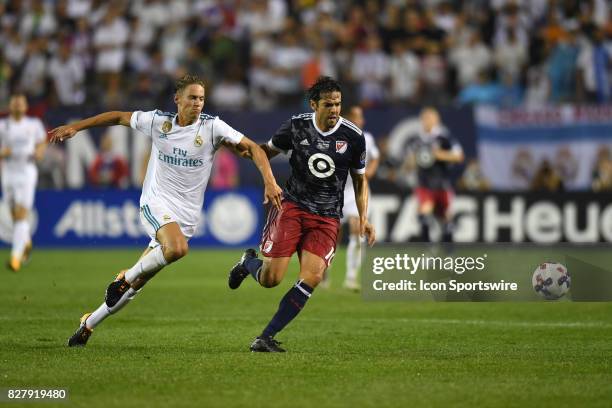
(198, 141)
(166, 126)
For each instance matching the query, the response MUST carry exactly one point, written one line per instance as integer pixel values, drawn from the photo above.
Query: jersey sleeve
(281, 141)
(143, 122)
(358, 157)
(40, 134)
(222, 132)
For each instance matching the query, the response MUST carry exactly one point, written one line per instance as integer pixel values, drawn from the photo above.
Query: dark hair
(187, 80)
(323, 84)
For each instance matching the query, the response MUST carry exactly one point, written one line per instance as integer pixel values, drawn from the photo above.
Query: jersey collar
(330, 131)
(175, 122)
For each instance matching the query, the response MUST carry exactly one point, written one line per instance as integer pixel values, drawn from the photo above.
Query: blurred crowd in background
(261, 54)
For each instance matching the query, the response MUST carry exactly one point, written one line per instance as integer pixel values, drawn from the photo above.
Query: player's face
(327, 109)
(18, 105)
(190, 101)
(429, 119)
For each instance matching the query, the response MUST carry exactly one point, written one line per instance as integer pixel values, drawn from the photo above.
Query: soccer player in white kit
(182, 152)
(23, 141)
(350, 214)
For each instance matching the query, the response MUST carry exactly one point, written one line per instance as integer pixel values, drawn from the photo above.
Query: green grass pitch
(184, 342)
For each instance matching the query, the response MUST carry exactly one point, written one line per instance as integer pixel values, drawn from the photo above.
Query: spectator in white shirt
(39, 20)
(405, 71)
(286, 61)
(34, 72)
(109, 41)
(510, 56)
(370, 69)
(230, 93)
(68, 74)
(470, 60)
(141, 38)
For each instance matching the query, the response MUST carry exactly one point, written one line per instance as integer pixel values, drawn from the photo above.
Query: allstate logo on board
(231, 218)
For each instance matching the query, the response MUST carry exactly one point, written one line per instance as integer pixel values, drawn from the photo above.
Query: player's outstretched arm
(270, 153)
(250, 150)
(61, 133)
(360, 185)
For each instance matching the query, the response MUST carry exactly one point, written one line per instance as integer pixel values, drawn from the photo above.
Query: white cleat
(352, 285)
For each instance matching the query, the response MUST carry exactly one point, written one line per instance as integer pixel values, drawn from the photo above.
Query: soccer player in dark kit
(434, 152)
(324, 148)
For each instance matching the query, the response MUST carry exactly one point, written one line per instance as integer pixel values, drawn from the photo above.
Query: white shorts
(350, 208)
(19, 189)
(153, 216)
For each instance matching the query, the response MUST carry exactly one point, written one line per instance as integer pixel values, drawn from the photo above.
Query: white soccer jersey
(181, 160)
(372, 153)
(21, 137)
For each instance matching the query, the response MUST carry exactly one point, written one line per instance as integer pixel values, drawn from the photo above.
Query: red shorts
(294, 229)
(441, 199)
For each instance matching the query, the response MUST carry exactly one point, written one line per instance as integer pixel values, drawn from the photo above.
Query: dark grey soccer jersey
(432, 173)
(320, 162)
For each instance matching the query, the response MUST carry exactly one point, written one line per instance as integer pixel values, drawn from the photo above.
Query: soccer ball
(551, 280)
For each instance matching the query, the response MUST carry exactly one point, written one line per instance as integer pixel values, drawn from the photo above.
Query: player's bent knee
(175, 251)
(313, 278)
(270, 277)
(272, 272)
(270, 281)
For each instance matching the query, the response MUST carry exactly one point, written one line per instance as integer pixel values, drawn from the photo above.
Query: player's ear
(313, 105)
(176, 97)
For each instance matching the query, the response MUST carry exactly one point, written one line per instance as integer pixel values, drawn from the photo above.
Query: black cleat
(80, 337)
(239, 272)
(266, 345)
(116, 290)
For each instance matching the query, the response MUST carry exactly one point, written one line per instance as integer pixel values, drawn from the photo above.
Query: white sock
(353, 258)
(97, 316)
(148, 264)
(104, 311)
(127, 296)
(21, 237)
